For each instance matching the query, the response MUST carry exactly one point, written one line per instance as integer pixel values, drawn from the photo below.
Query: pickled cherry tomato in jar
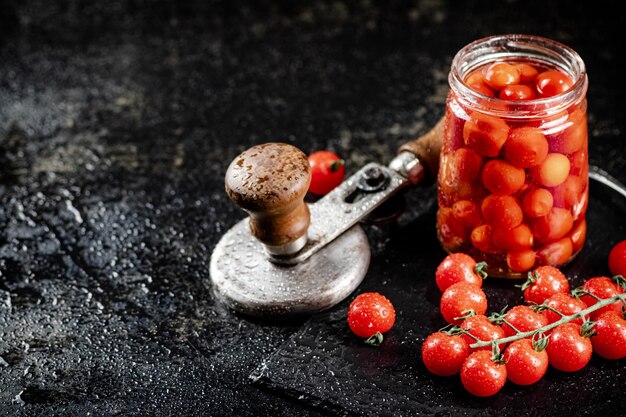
(513, 185)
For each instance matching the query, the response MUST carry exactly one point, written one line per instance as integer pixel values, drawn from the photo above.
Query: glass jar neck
(527, 48)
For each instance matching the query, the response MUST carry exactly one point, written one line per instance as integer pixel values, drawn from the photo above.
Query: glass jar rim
(547, 51)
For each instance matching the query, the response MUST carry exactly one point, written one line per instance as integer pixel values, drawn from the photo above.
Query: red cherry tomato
(501, 211)
(502, 178)
(555, 253)
(521, 261)
(501, 74)
(481, 238)
(602, 287)
(481, 328)
(568, 193)
(552, 171)
(526, 147)
(515, 239)
(577, 235)
(327, 172)
(370, 313)
(517, 92)
(566, 305)
(527, 73)
(460, 298)
(568, 351)
(537, 202)
(551, 83)
(552, 227)
(459, 267)
(459, 173)
(524, 364)
(475, 77)
(485, 134)
(524, 319)
(574, 137)
(543, 283)
(610, 339)
(482, 89)
(443, 354)
(617, 259)
(467, 213)
(481, 376)
(450, 229)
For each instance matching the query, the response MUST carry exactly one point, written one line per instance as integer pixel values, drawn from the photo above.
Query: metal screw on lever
(372, 180)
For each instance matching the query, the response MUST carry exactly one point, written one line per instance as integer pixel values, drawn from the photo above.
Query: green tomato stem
(565, 319)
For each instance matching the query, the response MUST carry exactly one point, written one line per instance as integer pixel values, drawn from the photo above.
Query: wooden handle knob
(427, 149)
(269, 181)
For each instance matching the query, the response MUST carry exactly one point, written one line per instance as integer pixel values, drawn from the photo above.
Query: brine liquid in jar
(513, 179)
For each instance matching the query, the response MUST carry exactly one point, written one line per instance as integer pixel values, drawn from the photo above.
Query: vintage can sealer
(291, 258)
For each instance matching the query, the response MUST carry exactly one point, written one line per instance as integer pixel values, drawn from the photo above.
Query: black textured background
(117, 122)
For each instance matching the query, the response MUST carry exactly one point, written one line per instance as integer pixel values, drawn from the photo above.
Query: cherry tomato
(327, 172)
(524, 319)
(551, 83)
(481, 238)
(481, 376)
(574, 137)
(568, 351)
(443, 354)
(460, 298)
(568, 193)
(501, 211)
(543, 283)
(527, 73)
(524, 364)
(515, 239)
(521, 261)
(502, 178)
(370, 313)
(610, 339)
(485, 134)
(552, 227)
(602, 287)
(577, 235)
(552, 171)
(526, 147)
(467, 213)
(579, 164)
(555, 253)
(481, 328)
(500, 74)
(517, 92)
(566, 305)
(617, 259)
(451, 231)
(475, 77)
(483, 89)
(537, 202)
(459, 267)
(459, 172)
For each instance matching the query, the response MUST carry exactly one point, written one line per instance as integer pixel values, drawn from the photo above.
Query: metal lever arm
(366, 190)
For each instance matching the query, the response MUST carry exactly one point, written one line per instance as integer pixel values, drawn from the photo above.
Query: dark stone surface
(117, 122)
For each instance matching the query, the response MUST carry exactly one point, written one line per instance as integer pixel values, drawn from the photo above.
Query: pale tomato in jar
(513, 184)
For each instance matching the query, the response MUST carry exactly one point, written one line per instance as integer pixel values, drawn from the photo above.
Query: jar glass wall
(513, 179)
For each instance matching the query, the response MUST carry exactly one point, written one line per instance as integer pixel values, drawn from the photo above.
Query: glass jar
(513, 179)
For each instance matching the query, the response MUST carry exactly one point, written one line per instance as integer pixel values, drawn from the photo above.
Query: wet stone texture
(117, 122)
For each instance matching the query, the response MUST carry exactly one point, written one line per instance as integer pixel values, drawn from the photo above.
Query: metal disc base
(245, 280)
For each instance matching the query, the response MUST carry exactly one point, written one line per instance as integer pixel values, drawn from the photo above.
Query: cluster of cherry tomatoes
(530, 336)
(544, 332)
(512, 192)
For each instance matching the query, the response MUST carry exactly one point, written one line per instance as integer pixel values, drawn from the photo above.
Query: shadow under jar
(513, 179)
